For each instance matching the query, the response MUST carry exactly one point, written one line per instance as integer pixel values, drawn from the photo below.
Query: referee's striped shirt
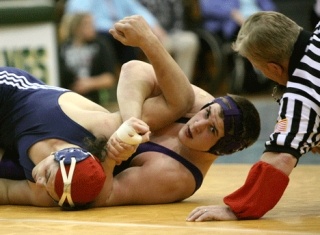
(297, 129)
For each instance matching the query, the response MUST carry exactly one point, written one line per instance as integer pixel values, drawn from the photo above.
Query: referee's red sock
(260, 193)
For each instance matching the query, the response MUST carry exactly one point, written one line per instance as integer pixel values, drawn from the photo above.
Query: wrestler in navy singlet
(29, 113)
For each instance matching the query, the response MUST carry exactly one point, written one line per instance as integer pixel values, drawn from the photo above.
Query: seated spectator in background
(223, 19)
(181, 43)
(106, 13)
(86, 66)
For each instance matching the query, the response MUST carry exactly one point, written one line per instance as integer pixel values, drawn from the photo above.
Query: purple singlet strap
(153, 147)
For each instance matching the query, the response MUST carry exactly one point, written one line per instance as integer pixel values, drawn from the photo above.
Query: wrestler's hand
(125, 141)
(208, 213)
(132, 31)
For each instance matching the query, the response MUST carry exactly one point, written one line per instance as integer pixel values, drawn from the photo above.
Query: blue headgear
(68, 153)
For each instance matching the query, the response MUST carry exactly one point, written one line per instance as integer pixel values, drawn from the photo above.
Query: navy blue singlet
(29, 113)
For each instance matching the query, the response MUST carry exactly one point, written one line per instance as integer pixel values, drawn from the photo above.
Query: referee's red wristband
(260, 193)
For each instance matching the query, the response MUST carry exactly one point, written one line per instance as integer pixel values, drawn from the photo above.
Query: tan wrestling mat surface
(298, 212)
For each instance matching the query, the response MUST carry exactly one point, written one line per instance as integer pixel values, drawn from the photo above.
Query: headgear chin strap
(67, 179)
(233, 127)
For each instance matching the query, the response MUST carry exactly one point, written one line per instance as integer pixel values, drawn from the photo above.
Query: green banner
(26, 11)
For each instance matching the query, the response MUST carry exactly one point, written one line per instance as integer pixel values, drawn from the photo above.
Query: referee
(290, 56)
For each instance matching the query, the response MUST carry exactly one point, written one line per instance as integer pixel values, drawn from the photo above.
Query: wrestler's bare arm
(176, 96)
(137, 82)
(22, 192)
(139, 95)
(153, 182)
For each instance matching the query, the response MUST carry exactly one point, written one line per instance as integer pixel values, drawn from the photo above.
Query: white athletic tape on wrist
(128, 134)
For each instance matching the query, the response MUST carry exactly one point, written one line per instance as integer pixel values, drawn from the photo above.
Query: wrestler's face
(44, 174)
(204, 129)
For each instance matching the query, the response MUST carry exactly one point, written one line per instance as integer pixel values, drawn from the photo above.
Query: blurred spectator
(315, 14)
(223, 18)
(106, 13)
(181, 43)
(86, 67)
